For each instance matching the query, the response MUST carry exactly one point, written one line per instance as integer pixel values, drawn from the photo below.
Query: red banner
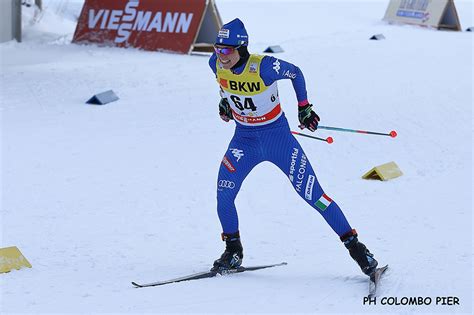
(147, 24)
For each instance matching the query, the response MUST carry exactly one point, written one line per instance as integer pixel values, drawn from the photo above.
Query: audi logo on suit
(226, 184)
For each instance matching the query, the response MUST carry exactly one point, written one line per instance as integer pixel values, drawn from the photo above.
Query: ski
(374, 280)
(206, 274)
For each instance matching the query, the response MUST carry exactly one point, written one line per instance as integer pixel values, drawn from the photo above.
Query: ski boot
(364, 258)
(233, 254)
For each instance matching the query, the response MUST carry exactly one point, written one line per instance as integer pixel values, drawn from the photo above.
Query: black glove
(224, 110)
(308, 118)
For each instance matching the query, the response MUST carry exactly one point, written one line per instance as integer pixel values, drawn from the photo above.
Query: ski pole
(328, 139)
(392, 133)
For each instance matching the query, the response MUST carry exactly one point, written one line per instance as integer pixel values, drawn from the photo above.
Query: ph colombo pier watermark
(412, 300)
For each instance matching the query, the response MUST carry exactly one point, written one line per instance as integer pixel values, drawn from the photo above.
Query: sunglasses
(225, 50)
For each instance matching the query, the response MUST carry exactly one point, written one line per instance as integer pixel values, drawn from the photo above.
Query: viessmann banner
(147, 24)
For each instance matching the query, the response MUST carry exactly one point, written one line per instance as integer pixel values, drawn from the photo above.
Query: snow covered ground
(98, 196)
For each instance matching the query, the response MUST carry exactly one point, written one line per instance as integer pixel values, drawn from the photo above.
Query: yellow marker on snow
(12, 258)
(384, 172)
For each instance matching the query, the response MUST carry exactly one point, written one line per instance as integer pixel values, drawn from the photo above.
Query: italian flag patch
(323, 202)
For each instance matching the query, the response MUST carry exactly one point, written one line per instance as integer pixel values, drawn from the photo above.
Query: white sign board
(440, 14)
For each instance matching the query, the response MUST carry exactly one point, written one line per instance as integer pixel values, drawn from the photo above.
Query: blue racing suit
(261, 136)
